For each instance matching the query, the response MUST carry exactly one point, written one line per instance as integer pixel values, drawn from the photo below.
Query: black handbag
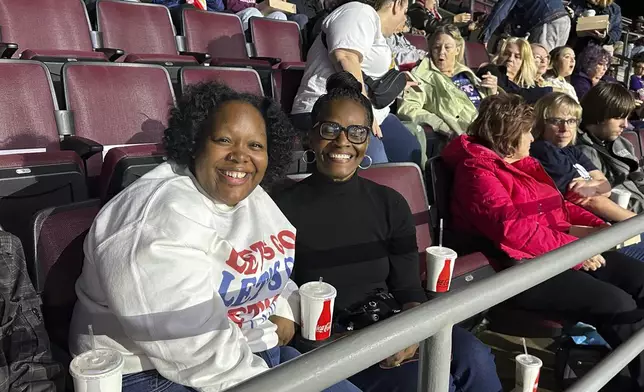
(384, 91)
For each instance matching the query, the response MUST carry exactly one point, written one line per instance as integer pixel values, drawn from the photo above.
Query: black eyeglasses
(356, 134)
(571, 122)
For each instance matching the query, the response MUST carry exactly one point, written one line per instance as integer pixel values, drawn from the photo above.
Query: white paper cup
(316, 309)
(528, 368)
(100, 370)
(440, 267)
(620, 197)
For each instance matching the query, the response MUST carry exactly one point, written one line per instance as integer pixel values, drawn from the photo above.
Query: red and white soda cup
(440, 267)
(316, 307)
(528, 368)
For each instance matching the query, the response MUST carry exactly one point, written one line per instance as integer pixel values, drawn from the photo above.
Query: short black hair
(190, 120)
(606, 101)
(341, 85)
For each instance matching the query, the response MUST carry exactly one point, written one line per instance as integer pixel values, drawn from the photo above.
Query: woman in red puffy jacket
(503, 194)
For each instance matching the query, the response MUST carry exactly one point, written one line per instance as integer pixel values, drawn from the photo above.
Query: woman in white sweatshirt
(186, 271)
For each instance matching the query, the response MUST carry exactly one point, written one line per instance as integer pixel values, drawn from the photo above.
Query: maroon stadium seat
(115, 104)
(55, 30)
(144, 31)
(30, 181)
(221, 35)
(239, 79)
(124, 165)
(58, 235)
(277, 39)
(419, 41)
(634, 138)
(285, 83)
(476, 55)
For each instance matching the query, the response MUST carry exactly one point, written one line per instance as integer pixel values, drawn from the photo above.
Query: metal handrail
(431, 323)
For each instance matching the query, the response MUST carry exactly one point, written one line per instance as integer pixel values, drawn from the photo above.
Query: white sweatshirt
(177, 282)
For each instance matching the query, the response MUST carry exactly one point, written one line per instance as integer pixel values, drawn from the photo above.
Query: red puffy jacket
(517, 206)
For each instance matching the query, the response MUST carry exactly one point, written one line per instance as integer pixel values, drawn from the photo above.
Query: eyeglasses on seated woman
(361, 238)
(507, 197)
(169, 277)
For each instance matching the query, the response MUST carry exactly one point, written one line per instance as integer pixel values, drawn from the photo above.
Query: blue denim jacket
(526, 14)
(213, 5)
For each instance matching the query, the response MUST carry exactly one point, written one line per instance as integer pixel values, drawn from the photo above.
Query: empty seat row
(59, 30)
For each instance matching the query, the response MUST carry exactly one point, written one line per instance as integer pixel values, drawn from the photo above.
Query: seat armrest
(111, 53)
(271, 60)
(7, 49)
(200, 57)
(84, 147)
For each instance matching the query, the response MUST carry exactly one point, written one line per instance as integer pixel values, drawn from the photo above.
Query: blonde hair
(451, 31)
(548, 105)
(528, 70)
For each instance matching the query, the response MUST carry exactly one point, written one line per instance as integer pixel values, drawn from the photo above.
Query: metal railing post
(434, 363)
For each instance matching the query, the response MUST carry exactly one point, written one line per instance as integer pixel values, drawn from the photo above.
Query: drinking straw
(440, 234)
(91, 338)
(320, 279)
(525, 347)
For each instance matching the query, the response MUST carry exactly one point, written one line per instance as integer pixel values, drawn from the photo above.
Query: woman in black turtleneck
(360, 237)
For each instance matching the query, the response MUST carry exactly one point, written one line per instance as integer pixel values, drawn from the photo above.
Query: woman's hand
(375, 128)
(462, 18)
(400, 357)
(594, 263)
(491, 82)
(285, 329)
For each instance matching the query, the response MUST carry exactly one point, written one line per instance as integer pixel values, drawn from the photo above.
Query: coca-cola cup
(528, 368)
(316, 307)
(440, 266)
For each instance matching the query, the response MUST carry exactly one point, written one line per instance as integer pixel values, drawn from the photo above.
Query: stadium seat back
(285, 83)
(45, 24)
(634, 138)
(419, 41)
(117, 104)
(136, 27)
(58, 235)
(219, 34)
(476, 55)
(239, 79)
(27, 106)
(276, 38)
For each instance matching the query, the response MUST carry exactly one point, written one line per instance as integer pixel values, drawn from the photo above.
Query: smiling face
(444, 52)
(565, 63)
(338, 159)
(511, 58)
(541, 59)
(560, 127)
(233, 158)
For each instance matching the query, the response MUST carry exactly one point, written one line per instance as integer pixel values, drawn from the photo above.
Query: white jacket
(177, 282)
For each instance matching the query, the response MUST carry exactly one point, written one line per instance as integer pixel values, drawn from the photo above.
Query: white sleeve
(287, 305)
(352, 30)
(165, 298)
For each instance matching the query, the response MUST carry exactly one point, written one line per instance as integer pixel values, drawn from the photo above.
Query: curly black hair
(189, 126)
(341, 85)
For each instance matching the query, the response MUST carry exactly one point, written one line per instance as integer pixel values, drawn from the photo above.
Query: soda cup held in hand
(99, 370)
(440, 266)
(528, 368)
(316, 306)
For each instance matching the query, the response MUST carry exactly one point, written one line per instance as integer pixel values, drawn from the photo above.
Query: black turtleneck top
(357, 235)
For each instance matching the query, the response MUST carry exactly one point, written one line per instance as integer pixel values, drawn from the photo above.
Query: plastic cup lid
(528, 360)
(96, 364)
(318, 290)
(441, 251)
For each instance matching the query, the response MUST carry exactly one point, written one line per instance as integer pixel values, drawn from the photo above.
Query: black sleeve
(583, 160)
(553, 162)
(404, 273)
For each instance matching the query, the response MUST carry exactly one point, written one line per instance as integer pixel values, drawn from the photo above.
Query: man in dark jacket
(547, 21)
(606, 108)
(25, 358)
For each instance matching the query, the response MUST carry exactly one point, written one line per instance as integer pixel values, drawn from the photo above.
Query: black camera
(379, 306)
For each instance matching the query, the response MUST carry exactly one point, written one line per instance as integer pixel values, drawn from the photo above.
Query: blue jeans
(472, 370)
(152, 381)
(635, 251)
(399, 143)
